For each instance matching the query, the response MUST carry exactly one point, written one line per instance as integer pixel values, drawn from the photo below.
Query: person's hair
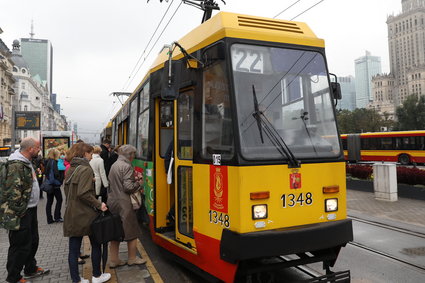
(97, 149)
(80, 141)
(69, 155)
(117, 148)
(127, 150)
(79, 149)
(53, 154)
(106, 141)
(26, 143)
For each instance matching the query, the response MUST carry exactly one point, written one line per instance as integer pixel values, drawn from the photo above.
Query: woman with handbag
(123, 187)
(81, 209)
(55, 179)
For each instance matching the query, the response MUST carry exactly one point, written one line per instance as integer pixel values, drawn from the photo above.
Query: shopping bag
(107, 227)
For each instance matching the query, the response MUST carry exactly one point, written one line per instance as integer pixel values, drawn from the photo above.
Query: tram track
(383, 253)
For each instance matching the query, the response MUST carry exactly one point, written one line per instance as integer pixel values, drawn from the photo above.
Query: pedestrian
(55, 179)
(101, 180)
(38, 164)
(81, 210)
(66, 162)
(61, 164)
(113, 154)
(122, 183)
(24, 192)
(105, 146)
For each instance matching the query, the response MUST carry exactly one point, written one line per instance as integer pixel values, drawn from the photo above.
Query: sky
(97, 43)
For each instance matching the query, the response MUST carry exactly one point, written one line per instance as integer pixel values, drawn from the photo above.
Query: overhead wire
(287, 8)
(153, 46)
(147, 45)
(311, 7)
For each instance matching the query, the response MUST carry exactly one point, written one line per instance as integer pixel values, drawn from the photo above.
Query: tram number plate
(219, 218)
(291, 200)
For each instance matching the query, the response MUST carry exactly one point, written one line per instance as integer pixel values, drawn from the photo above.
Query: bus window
(217, 135)
(386, 143)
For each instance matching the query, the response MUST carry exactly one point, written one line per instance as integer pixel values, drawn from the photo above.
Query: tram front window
(292, 91)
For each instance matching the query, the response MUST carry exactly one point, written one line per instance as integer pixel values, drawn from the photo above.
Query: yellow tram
(237, 141)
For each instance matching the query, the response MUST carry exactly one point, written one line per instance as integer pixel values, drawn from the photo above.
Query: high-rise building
(348, 91)
(38, 53)
(366, 67)
(406, 43)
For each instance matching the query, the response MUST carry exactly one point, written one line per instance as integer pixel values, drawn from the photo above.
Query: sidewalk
(53, 254)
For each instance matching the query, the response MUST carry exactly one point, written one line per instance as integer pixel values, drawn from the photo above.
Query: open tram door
(174, 193)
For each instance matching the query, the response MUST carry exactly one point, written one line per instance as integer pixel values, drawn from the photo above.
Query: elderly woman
(122, 183)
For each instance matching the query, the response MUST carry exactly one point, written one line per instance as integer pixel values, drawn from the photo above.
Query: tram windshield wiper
(271, 132)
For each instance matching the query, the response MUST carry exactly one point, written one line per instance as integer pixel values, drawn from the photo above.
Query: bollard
(385, 182)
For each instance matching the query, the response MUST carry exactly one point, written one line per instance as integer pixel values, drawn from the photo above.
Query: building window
(25, 108)
(23, 85)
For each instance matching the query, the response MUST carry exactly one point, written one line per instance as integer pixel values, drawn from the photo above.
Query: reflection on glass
(292, 89)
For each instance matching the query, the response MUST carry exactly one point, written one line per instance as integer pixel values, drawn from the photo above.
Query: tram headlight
(331, 204)
(259, 211)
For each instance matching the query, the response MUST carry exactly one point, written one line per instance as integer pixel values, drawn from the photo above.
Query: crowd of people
(93, 180)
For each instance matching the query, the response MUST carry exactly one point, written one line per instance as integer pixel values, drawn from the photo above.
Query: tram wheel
(404, 159)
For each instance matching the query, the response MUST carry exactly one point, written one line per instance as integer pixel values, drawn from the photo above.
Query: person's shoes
(84, 256)
(113, 264)
(102, 278)
(81, 261)
(50, 221)
(23, 280)
(39, 272)
(82, 280)
(59, 220)
(136, 261)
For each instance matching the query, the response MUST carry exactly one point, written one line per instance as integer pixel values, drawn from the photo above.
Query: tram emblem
(218, 188)
(295, 180)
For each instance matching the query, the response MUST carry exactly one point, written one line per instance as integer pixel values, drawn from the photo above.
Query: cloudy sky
(97, 43)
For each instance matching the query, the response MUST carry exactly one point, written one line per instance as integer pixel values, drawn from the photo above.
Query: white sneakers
(82, 280)
(102, 278)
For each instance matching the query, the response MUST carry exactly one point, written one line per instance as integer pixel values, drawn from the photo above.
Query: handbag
(107, 227)
(136, 200)
(51, 176)
(46, 186)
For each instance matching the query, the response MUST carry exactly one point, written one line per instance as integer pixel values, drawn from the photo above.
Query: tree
(361, 120)
(411, 114)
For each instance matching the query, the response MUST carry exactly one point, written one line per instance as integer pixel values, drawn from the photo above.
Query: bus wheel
(404, 159)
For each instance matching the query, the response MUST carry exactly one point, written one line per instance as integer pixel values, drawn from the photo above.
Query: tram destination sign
(27, 120)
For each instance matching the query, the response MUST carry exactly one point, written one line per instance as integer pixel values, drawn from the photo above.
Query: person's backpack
(51, 176)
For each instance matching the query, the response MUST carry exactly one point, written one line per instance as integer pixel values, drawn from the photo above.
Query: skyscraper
(366, 67)
(38, 53)
(406, 43)
(348, 91)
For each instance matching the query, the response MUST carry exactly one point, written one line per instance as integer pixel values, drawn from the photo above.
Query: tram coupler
(338, 277)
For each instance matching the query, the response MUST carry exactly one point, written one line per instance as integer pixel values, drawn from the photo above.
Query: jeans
(74, 253)
(57, 194)
(23, 247)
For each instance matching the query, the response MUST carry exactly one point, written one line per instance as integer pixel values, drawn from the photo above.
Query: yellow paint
(416, 153)
(273, 178)
(149, 265)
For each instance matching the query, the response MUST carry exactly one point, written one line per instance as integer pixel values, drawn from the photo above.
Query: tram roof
(226, 24)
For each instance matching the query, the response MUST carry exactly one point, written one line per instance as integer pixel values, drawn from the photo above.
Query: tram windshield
(293, 96)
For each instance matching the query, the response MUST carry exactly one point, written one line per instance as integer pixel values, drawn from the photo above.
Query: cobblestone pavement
(404, 210)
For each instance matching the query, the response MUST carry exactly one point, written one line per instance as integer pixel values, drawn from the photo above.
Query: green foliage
(361, 120)
(411, 115)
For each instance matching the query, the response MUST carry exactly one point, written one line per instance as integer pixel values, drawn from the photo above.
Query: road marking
(149, 265)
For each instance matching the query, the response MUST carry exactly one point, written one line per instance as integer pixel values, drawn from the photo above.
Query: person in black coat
(105, 155)
(56, 180)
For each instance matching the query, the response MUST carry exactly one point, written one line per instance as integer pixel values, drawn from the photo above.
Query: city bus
(405, 147)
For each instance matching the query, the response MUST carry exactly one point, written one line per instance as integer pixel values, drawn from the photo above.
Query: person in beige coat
(101, 180)
(122, 183)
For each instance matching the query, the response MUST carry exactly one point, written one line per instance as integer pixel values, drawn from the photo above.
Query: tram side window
(370, 144)
(166, 125)
(217, 131)
(143, 150)
(132, 137)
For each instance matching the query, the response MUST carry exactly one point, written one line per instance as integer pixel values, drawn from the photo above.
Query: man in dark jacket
(21, 219)
(105, 155)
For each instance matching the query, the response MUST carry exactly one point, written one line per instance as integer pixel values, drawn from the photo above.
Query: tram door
(183, 165)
